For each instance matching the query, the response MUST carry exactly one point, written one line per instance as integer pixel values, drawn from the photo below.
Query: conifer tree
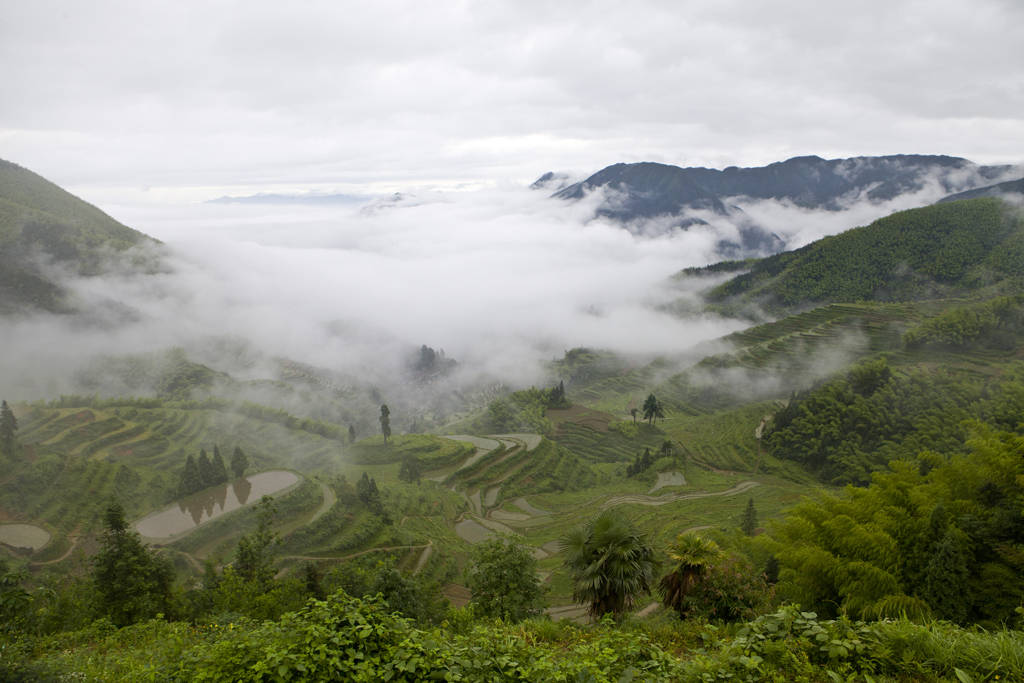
(238, 462)
(947, 577)
(8, 425)
(131, 583)
(252, 557)
(749, 523)
(190, 479)
(385, 421)
(366, 489)
(207, 474)
(646, 460)
(351, 434)
(219, 470)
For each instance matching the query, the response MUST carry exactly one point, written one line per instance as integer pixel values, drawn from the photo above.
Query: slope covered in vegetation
(918, 254)
(39, 220)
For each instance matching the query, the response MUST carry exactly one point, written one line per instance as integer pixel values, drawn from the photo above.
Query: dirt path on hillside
(675, 497)
(67, 553)
(424, 558)
(353, 555)
(329, 500)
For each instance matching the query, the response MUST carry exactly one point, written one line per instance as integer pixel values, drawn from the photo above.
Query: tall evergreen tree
(190, 479)
(947, 577)
(749, 522)
(206, 472)
(131, 582)
(253, 561)
(219, 470)
(238, 462)
(385, 421)
(351, 434)
(8, 426)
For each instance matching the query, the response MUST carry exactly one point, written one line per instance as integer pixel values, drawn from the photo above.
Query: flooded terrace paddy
(24, 536)
(199, 508)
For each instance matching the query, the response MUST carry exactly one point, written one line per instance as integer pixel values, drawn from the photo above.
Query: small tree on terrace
(503, 580)
(385, 421)
(652, 409)
(8, 425)
(749, 523)
(410, 470)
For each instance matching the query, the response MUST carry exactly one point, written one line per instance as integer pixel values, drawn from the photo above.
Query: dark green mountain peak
(41, 222)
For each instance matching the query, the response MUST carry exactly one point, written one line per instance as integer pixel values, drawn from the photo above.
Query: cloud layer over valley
(499, 279)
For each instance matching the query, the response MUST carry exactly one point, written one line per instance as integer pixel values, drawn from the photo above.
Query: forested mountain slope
(42, 223)
(932, 252)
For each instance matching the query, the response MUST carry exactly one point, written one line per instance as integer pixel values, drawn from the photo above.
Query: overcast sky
(188, 100)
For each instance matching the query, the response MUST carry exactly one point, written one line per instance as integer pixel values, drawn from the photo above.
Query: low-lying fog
(501, 279)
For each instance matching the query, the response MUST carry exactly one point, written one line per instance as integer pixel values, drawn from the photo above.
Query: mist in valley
(325, 309)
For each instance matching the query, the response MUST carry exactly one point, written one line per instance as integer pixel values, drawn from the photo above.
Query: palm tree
(610, 562)
(693, 557)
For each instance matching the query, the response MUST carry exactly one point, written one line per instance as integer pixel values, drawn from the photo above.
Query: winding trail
(329, 500)
(674, 497)
(359, 554)
(424, 558)
(67, 553)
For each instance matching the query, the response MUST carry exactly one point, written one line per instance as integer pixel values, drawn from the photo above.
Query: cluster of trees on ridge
(203, 472)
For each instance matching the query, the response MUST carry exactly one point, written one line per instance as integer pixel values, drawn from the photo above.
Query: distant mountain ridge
(1010, 187)
(641, 191)
(41, 221)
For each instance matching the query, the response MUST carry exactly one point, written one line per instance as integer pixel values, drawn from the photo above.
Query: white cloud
(501, 279)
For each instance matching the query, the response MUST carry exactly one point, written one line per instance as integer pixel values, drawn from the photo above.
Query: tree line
(204, 472)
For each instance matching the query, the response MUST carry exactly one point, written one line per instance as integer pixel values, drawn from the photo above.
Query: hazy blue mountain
(1010, 187)
(647, 190)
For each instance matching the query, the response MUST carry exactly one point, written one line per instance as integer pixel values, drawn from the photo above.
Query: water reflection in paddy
(191, 511)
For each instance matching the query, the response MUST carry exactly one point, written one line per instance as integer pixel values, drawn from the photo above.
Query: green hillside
(926, 253)
(40, 220)
(898, 374)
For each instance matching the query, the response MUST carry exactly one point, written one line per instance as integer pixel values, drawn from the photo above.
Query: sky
(150, 109)
(184, 101)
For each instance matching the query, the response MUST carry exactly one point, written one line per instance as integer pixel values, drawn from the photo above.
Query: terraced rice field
(197, 509)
